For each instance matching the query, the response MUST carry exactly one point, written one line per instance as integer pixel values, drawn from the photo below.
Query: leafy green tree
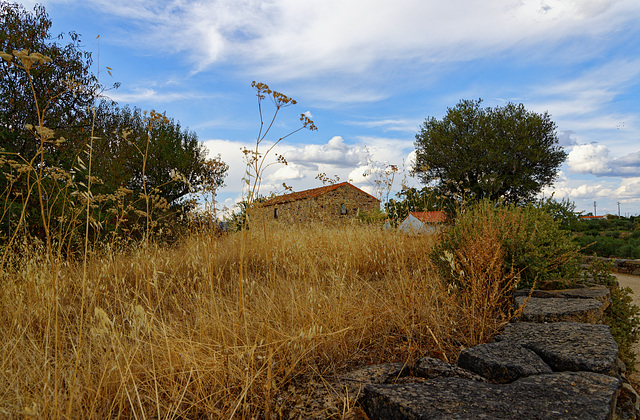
(176, 162)
(502, 153)
(64, 89)
(155, 162)
(55, 94)
(142, 163)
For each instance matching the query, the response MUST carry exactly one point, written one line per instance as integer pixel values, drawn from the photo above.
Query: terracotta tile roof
(430, 216)
(314, 192)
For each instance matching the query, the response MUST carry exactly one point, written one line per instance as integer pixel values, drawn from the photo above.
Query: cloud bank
(595, 159)
(293, 39)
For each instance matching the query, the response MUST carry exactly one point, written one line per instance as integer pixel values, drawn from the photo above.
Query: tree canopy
(502, 153)
(176, 162)
(134, 153)
(63, 89)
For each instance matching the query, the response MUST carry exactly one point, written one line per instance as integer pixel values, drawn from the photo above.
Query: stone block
(564, 395)
(502, 361)
(429, 367)
(567, 346)
(560, 309)
(600, 293)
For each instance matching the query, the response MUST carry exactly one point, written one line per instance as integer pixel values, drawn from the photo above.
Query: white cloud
(411, 160)
(586, 93)
(565, 138)
(286, 173)
(290, 39)
(589, 158)
(391, 124)
(336, 153)
(138, 95)
(594, 159)
(606, 193)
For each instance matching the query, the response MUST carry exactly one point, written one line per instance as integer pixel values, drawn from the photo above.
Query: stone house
(331, 204)
(423, 222)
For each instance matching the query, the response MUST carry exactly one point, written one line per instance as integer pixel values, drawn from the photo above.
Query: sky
(369, 72)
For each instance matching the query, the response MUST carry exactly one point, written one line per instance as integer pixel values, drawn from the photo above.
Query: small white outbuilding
(423, 222)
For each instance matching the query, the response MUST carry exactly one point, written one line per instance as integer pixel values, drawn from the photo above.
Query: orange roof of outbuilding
(430, 216)
(314, 192)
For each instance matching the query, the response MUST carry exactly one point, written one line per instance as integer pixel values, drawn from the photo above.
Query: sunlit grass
(165, 334)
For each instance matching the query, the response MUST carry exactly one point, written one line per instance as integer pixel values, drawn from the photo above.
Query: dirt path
(633, 282)
(627, 280)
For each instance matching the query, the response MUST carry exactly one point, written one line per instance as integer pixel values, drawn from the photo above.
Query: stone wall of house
(329, 208)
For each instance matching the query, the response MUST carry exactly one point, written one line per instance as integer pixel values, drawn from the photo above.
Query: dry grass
(177, 333)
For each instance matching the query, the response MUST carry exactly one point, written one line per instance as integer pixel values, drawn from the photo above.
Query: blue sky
(370, 71)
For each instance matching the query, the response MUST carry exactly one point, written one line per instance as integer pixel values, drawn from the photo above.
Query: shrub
(534, 245)
(375, 217)
(623, 318)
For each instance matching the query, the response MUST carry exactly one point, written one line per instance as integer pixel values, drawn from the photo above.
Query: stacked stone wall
(556, 360)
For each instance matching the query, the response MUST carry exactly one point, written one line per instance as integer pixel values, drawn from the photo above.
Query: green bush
(623, 318)
(375, 217)
(608, 246)
(534, 245)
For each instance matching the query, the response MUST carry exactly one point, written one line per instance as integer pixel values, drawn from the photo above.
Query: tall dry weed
(480, 287)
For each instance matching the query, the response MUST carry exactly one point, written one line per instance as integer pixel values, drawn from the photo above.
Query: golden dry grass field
(224, 327)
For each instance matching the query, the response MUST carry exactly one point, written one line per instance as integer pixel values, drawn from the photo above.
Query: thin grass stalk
(84, 269)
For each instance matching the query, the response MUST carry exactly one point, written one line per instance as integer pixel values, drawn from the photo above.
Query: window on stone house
(275, 213)
(343, 209)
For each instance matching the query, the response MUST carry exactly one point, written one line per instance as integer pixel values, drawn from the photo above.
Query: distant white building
(423, 222)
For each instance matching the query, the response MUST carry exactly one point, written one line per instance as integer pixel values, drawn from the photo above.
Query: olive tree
(502, 153)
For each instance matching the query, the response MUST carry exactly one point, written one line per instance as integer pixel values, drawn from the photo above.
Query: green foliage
(65, 86)
(599, 271)
(623, 318)
(176, 162)
(503, 153)
(564, 211)
(612, 237)
(607, 246)
(53, 92)
(534, 245)
(52, 126)
(375, 217)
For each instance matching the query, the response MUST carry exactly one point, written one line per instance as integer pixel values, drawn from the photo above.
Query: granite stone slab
(502, 361)
(564, 395)
(567, 346)
(560, 309)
